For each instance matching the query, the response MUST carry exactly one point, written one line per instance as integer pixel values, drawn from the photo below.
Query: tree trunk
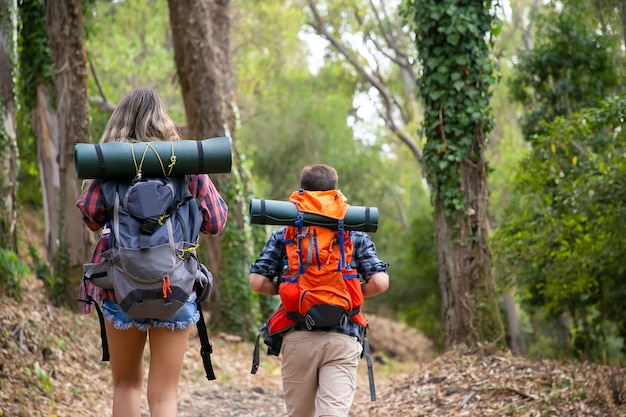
(467, 285)
(58, 129)
(455, 87)
(8, 144)
(516, 343)
(202, 53)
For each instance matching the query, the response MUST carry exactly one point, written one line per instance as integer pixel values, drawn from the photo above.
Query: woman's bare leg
(126, 348)
(167, 350)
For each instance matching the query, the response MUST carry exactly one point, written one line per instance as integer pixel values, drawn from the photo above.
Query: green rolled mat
(119, 160)
(285, 213)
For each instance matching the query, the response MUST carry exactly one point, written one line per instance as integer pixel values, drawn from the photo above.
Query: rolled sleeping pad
(120, 160)
(285, 213)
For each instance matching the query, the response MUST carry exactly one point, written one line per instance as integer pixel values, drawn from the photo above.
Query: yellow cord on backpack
(183, 253)
(162, 218)
(172, 160)
(138, 169)
(138, 174)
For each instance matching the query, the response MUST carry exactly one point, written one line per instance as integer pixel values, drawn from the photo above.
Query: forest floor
(50, 366)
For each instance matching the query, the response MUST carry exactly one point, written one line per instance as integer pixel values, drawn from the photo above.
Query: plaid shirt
(271, 260)
(93, 208)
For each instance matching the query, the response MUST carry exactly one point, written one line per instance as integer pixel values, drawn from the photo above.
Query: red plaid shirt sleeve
(92, 206)
(214, 209)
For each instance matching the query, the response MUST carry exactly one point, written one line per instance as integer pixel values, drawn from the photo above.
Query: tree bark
(8, 143)
(456, 120)
(465, 277)
(60, 120)
(201, 41)
(516, 343)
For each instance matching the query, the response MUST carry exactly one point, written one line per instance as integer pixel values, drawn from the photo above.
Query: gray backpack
(151, 264)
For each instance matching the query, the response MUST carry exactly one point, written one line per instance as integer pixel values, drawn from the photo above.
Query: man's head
(319, 178)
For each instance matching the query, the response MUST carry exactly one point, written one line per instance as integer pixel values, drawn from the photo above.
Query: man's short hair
(319, 178)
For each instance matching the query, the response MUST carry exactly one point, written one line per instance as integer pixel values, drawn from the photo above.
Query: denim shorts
(186, 316)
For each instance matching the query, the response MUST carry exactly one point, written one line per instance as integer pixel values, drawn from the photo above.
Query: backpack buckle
(148, 226)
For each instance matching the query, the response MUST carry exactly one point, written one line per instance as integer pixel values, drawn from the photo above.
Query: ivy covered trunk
(8, 144)
(202, 52)
(457, 76)
(467, 286)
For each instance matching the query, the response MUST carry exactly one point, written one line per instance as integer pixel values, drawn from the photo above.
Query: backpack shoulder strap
(206, 348)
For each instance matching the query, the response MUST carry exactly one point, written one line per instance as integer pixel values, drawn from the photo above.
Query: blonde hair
(140, 117)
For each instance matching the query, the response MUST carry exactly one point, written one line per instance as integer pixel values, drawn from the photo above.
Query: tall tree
(53, 92)
(8, 144)
(68, 241)
(457, 75)
(201, 37)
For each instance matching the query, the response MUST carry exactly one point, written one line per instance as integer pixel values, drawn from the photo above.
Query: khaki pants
(319, 372)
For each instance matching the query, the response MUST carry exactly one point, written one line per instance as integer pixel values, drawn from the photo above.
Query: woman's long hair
(140, 117)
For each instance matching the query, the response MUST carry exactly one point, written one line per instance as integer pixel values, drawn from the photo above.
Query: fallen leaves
(50, 366)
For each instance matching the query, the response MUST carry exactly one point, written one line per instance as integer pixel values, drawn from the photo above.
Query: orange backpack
(318, 288)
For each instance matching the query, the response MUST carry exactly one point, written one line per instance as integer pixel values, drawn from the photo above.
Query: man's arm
(377, 284)
(268, 264)
(369, 265)
(262, 284)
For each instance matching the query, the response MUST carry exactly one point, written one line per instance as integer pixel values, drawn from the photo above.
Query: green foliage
(312, 133)
(562, 239)
(292, 117)
(454, 39)
(455, 85)
(39, 266)
(235, 294)
(11, 272)
(414, 296)
(35, 60)
(59, 284)
(55, 285)
(35, 70)
(42, 377)
(571, 66)
(126, 55)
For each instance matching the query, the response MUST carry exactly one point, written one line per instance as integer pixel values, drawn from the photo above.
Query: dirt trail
(50, 366)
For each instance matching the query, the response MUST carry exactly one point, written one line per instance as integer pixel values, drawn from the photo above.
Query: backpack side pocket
(97, 273)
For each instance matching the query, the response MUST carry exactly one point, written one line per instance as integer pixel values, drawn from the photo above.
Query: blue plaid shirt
(364, 258)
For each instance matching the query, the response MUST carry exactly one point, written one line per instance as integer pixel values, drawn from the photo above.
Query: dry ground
(50, 366)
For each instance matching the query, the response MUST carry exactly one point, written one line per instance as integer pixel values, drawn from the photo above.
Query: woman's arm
(213, 206)
(92, 206)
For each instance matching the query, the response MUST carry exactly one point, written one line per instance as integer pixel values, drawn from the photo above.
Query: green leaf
(453, 38)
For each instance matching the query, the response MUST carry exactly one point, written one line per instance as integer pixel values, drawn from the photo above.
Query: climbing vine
(457, 74)
(35, 60)
(34, 69)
